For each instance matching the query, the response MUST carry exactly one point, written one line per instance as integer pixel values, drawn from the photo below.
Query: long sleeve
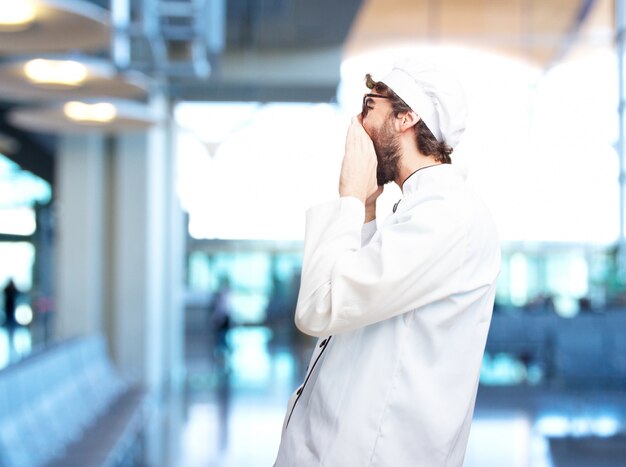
(413, 262)
(367, 232)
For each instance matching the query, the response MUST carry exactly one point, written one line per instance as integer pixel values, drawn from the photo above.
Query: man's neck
(410, 163)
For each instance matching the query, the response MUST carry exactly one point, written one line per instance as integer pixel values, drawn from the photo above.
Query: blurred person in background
(10, 303)
(220, 318)
(11, 294)
(401, 308)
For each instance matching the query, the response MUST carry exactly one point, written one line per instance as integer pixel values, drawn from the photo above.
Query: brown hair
(426, 141)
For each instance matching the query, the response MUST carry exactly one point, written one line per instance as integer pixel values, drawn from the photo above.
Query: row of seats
(67, 406)
(587, 349)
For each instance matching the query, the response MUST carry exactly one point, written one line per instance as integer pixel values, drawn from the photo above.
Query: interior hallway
(230, 411)
(234, 419)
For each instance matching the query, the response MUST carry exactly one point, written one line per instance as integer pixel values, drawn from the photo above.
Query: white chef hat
(433, 94)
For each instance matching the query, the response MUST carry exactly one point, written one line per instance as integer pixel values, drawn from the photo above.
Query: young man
(402, 308)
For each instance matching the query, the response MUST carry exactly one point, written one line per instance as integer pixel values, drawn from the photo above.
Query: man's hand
(358, 170)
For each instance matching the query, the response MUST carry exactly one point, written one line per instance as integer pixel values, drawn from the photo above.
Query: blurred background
(156, 161)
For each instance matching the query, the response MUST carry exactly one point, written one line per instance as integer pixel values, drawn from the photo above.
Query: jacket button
(323, 343)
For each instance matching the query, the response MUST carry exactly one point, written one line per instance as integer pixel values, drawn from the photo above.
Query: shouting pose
(401, 306)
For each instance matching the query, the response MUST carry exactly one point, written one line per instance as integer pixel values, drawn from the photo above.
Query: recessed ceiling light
(81, 112)
(16, 15)
(55, 73)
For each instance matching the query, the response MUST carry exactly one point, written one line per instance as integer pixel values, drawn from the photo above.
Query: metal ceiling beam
(252, 92)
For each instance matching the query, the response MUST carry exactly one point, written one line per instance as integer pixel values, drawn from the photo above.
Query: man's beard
(387, 147)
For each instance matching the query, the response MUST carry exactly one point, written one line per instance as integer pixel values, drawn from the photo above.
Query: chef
(401, 307)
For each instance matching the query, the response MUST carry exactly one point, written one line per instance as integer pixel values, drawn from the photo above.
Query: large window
(539, 148)
(263, 283)
(249, 171)
(19, 192)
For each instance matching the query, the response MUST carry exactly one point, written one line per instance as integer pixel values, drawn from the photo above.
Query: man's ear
(408, 120)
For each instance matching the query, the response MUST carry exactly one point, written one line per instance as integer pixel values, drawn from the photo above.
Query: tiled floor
(240, 426)
(232, 417)
(230, 412)
(14, 345)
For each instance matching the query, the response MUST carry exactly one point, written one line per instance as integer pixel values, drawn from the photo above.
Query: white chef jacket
(402, 313)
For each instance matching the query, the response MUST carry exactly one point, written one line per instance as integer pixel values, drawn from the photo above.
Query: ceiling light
(90, 113)
(55, 73)
(16, 15)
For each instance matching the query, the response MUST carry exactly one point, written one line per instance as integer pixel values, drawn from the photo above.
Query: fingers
(357, 130)
(357, 120)
(355, 126)
(358, 171)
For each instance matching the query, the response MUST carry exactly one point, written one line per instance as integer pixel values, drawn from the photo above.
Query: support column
(620, 29)
(175, 236)
(79, 211)
(120, 249)
(146, 279)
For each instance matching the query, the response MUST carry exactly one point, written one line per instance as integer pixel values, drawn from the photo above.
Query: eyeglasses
(380, 96)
